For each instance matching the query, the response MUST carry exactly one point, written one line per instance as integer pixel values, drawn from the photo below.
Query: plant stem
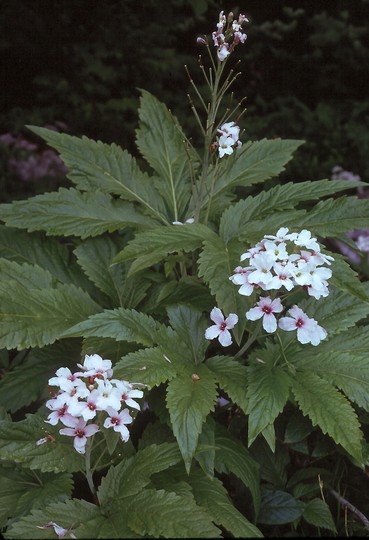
(351, 507)
(252, 337)
(88, 472)
(289, 365)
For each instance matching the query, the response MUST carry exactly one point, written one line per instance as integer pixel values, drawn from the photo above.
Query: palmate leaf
(123, 325)
(330, 410)
(23, 490)
(163, 514)
(153, 245)
(18, 444)
(267, 393)
(37, 317)
(163, 145)
(255, 162)
(189, 400)
(68, 212)
(132, 475)
(217, 262)
(231, 377)
(238, 218)
(33, 374)
(98, 166)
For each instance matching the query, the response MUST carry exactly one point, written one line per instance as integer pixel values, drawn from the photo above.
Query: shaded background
(78, 64)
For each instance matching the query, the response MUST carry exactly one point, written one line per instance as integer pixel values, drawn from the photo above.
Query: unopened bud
(230, 17)
(201, 40)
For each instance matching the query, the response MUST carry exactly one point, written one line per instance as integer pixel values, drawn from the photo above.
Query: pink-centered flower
(118, 422)
(265, 308)
(80, 431)
(308, 330)
(221, 327)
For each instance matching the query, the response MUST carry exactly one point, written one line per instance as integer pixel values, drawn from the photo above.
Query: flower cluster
(283, 261)
(228, 34)
(229, 138)
(83, 394)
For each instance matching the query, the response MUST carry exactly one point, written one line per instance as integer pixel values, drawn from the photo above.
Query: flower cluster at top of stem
(83, 393)
(284, 261)
(228, 34)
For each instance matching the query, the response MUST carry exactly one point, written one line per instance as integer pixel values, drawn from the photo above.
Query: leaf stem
(89, 472)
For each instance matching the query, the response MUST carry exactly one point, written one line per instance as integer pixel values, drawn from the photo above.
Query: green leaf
(298, 428)
(233, 457)
(231, 377)
(148, 366)
(189, 325)
(153, 245)
(239, 217)
(279, 507)
(162, 143)
(205, 455)
(32, 375)
(317, 513)
(321, 402)
(131, 475)
(120, 324)
(162, 514)
(217, 262)
(255, 162)
(189, 401)
(214, 498)
(273, 465)
(18, 444)
(98, 166)
(335, 216)
(23, 490)
(45, 315)
(346, 279)
(267, 393)
(34, 276)
(69, 212)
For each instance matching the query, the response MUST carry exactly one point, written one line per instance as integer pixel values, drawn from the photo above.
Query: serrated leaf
(323, 404)
(273, 465)
(317, 513)
(346, 279)
(31, 275)
(148, 366)
(214, 498)
(255, 162)
(279, 507)
(231, 377)
(217, 262)
(240, 216)
(22, 490)
(267, 392)
(163, 145)
(189, 325)
(33, 374)
(120, 324)
(94, 165)
(160, 513)
(153, 245)
(189, 401)
(45, 315)
(205, 455)
(18, 444)
(131, 475)
(68, 212)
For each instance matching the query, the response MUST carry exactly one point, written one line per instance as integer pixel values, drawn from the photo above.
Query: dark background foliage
(82, 62)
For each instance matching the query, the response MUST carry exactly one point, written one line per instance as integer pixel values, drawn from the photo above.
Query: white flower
(59, 531)
(308, 330)
(220, 328)
(127, 392)
(62, 374)
(276, 251)
(72, 391)
(282, 234)
(87, 409)
(225, 145)
(80, 431)
(262, 263)
(118, 422)
(304, 239)
(109, 395)
(95, 366)
(190, 220)
(240, 277)
(223, 52)
(265, 308)
(60, 412)
(283, 277)
(230, 129)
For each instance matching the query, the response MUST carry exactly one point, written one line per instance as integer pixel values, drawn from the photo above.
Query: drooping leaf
(189, 325)
(120, 324)
(231, 377)
(317, 513)
(320, 401)
(37, 317)
(279, 507)
(163, 145)
(214, 498)
(189, 401)
(233, 457)
(267, 393)
(217, 262)
(94, 165)
(163, 514)
(18, 444)
(68, 212)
